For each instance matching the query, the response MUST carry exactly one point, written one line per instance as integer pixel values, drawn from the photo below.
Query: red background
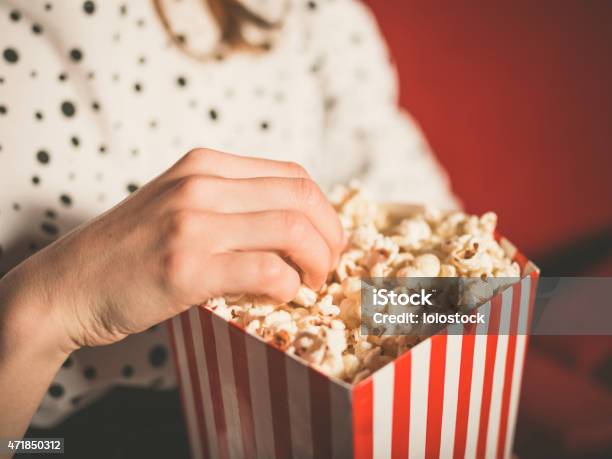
(516, 101)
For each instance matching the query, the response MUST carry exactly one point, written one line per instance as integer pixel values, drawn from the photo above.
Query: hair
(231, 17)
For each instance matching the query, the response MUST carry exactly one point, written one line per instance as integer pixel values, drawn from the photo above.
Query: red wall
(516, 99)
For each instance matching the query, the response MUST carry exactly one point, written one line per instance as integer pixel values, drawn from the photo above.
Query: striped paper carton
(451, 396)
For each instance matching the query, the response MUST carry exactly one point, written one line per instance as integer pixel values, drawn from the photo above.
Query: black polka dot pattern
(49, 228)
(107, 101)
(56, 391)
(89, 373)
(68, 109)
(89, 7)
(76, 55)
(158, 356)
(10, 55)
(66, 200)
(127, 371)
(43, 157)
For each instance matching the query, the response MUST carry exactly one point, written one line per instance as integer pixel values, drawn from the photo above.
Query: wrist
(28, 323)
(31, 349)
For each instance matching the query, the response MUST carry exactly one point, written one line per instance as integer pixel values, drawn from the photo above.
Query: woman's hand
(213, 224)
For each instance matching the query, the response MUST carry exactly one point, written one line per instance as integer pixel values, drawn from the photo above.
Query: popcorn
(332, 365)
(365, 236)
(309, 346)
(326, 306)
(363, 348)
(253, 326)
(409, 271)
(350, 312)
(375, 360)
(351, 365)
(323, 327)
(447, 270)
(280, 321)
(380, 269)
(412, 233)
(351, 287)
(361, 376)
(305, 296)
(428, 264)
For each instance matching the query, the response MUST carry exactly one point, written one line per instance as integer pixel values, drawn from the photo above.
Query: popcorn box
(453, 395)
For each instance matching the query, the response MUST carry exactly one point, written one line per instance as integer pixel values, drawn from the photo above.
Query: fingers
(223, 195)
(257, 273)
(243, 206)
(201, 161)
(287, 232)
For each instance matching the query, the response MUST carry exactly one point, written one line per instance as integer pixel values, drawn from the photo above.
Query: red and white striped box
(451, 396)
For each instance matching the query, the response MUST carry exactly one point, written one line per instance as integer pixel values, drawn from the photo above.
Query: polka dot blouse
(96, 100)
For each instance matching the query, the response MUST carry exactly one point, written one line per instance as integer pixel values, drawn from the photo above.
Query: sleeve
(52, 172)
(363, 119)
(46, 126)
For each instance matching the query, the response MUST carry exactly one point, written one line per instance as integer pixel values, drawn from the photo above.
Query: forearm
(30, 352)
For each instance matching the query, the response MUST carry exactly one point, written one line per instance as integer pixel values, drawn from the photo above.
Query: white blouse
(95, 101)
